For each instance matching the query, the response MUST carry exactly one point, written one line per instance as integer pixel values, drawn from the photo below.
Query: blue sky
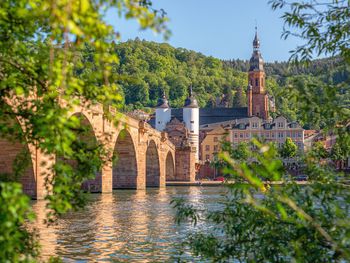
(220, 28)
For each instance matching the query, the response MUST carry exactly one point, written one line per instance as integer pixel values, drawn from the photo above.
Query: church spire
(256, 62)
(256, 41)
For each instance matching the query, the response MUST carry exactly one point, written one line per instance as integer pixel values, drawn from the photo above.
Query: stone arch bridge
(145, 156)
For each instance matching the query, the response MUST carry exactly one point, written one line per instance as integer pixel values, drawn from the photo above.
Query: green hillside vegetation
(330, 70)
(147, 68)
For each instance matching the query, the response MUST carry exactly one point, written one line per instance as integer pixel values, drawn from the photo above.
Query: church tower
(256, 93)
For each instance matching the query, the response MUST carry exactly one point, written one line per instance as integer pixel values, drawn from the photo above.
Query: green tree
(52, 51)
(239, 99)
(289, 149)
(318, 151)
(263, 223)
(339, 151)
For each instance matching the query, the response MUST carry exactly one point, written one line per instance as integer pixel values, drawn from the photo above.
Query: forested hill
(149, 67)
(330, 70)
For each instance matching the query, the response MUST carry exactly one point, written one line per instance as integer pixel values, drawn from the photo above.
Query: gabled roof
(214, 115)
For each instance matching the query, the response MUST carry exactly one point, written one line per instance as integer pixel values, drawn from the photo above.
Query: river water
(126, 226)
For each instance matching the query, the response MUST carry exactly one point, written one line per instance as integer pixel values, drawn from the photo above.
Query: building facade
(199, 132)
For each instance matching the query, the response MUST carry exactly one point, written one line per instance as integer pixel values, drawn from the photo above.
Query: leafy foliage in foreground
(262, 221)
(42, 64)
(17, 244)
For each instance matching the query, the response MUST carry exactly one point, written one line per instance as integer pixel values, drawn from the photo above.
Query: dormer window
(268, 126)
(255, 125)
(280, 125)
(241, 126)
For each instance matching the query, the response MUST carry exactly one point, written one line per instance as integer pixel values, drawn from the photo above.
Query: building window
(280, 135)
(241, 135)
(192, 121)
(158, 122)
(288, 134)
(216, 147)
(192, 131)
(242, 126)
(247, 135)
(207, 147)
(207, 157)
(236, 135)
(299, 134)
(256, 82)
(280, 125)
(215, 139)
(255, 125)
(273, 135)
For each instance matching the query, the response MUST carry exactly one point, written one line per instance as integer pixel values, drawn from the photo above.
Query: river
(126, 226)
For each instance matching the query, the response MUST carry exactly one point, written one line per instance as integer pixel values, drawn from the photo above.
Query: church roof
(214, 115)
(211, 115)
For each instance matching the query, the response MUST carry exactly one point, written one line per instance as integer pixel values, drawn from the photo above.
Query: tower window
(256, 82)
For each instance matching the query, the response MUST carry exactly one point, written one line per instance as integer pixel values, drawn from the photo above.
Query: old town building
(198, 133)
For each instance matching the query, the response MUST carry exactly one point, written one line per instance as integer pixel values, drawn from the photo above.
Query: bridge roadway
(145, 156)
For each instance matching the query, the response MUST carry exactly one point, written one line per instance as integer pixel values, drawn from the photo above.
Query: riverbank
(218, 183)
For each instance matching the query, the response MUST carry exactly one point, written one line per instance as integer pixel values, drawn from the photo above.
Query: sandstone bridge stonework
(145, 156)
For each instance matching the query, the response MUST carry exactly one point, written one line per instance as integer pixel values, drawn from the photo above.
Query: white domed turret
(191, 119)
(163, 113)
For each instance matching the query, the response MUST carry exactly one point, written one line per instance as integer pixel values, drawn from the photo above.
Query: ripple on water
(127, 226)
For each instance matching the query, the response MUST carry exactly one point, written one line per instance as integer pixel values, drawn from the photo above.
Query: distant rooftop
(211, 115)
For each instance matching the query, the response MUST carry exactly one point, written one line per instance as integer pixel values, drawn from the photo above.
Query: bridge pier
(107, 177)
(141, 171)
(43, 169)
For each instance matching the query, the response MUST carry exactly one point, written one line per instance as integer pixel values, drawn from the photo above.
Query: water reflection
(47, 235)
(126, 226)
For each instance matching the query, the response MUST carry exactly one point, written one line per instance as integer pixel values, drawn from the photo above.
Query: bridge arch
(125, 168)
(16, 159)
(152, 165)
(170, 167)
(86, 135)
